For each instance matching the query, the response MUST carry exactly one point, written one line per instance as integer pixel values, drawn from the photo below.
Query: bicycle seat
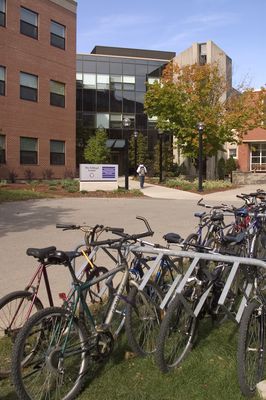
(200, 214)
(173, 238)
(41, 253)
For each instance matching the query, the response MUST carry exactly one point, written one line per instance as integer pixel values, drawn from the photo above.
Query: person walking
(141, 171)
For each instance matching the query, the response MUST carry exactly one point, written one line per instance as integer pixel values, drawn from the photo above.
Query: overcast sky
(236, 26)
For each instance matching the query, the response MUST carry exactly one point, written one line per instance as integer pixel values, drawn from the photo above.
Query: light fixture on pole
(200, 127)
(126, 124)
(160, 132)
(135, 152)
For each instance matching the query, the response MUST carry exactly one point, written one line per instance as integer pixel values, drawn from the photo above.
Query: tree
(96, 151)
(142, 149)
(196, 93)
(230, 166)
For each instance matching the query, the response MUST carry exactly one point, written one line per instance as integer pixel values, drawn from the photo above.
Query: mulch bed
(58, 191)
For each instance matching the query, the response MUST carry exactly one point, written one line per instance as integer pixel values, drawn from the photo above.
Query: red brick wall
(39, 120)
(256, 135)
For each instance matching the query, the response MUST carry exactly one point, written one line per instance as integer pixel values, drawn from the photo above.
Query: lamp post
(126, 124)
(135, 152)
(160, 155)
(200, 127)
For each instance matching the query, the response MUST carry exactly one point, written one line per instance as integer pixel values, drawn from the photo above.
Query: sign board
(98, 172)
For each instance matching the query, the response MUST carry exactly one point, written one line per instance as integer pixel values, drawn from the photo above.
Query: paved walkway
(162, 192)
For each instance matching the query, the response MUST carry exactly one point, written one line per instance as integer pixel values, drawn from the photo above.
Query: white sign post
(98, 177)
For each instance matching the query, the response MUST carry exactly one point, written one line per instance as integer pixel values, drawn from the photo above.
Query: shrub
(221, 168)
(230, 166)
(47, 173)
(29, 174)
(69, 174)
(70, 185)
(53, 183)
(12, 176)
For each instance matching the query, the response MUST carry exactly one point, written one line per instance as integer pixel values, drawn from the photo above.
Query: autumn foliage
(194, 93)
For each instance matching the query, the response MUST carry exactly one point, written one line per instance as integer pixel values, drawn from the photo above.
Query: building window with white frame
(3, 13)
(57, 152)
(2, 149)
(28, 23)
(28, 151)
(58, 32)
(2, 81)
(28, 87)
(258, 157)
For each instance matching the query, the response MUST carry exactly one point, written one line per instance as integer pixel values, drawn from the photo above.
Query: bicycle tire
(251, 329)
(191, 239)
(14, 309)
(177, 322)
(168, 273)
(143, 318)
(53, 372)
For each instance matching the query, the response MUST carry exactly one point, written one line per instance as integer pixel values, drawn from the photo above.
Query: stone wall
(248, 178)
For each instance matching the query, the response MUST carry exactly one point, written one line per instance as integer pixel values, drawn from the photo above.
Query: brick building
(37, 87)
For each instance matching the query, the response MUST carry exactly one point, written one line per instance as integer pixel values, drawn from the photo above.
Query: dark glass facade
(112, 88)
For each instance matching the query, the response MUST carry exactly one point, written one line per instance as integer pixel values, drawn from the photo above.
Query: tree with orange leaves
(199, 93)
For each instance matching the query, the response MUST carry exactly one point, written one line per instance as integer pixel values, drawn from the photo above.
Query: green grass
(18, 194)
(208, 373)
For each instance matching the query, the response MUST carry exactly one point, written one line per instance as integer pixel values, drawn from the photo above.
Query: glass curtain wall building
(111, 84)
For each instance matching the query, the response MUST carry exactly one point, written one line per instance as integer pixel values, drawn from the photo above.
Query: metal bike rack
(176, 289)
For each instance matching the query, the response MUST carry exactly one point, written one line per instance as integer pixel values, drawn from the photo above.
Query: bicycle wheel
(250, 352)
(192, 239)
(169, 269)
(176, 336)
(56, 350)
(15, 309)
(143, 318)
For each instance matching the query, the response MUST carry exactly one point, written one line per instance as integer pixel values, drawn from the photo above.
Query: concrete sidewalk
(162, 192)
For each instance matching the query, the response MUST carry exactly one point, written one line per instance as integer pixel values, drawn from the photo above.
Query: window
(202, 54)
(152, 121)
(116, 121)
(2, 12)
(28, 23)
(102, 81)
(89, 81)
(116, 82)
(57, 152)
(57, 37)
(258, 157)
(102, 121)
(57, 94)
(2, 81)
(28, 150)
(2, 149)
(28, 87)
(232, 153)
(129, 82)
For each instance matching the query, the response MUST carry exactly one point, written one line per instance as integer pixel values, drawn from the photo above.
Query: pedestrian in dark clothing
(141, 171)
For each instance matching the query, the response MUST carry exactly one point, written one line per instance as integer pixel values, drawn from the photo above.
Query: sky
(236, 26)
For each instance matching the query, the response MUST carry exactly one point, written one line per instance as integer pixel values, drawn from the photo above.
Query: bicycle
(52, 351)
(198, 295)
(17, 307)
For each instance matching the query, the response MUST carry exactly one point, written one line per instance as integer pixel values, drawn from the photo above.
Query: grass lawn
(19, 194)
(208, 373)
